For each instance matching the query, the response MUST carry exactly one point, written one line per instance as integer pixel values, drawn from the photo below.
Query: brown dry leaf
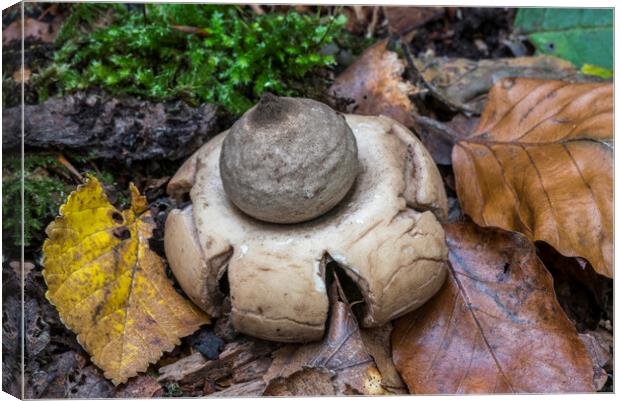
(374, 85)
(358, 18)
(439, 137)
(541, 163)
(495, 326)
(20, 75)
(109, 287)
(465, 83)
(341, 357)
(33, 29)
(402, 20)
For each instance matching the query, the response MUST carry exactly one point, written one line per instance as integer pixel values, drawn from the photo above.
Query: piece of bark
(252, 370)
(143, 386)
(178, 370)
(111, 128)
(249, 389)
(308, 382)
(235, 355)
(89, 383)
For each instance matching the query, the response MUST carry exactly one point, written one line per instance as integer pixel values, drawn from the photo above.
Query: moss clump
(43, 195)
(201, 53)
(46, 186)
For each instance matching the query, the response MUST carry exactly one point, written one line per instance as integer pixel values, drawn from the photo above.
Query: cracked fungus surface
(384, 234)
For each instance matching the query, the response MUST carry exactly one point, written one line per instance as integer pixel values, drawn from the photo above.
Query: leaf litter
(497, 302)
(245, 376)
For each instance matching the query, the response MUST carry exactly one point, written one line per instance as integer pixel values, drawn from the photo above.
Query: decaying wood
(185, 366)
(111, 128)
(250, 389)
(237, 360)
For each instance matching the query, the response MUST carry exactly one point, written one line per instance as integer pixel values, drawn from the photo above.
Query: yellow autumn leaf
(109, 287)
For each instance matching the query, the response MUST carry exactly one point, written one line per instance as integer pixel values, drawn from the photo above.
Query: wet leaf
(33, 30)
(541, 162)
(374, 85)
(465, 83)
(109, 287)
(495, 326)
(439, 137)
(402, 20)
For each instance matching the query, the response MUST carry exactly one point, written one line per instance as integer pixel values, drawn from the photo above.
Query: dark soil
(473, 33)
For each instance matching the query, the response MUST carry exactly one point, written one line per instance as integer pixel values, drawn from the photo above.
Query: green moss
(231, 58)
(43, 195)
(45, 190)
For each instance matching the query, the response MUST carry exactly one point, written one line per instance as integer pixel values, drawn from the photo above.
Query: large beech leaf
(494, 327)
(109, 287)
(541, 162)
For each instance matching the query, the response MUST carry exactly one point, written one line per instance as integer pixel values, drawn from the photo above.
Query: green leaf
(581, 36)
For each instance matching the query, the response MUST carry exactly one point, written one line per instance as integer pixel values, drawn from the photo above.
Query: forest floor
(216, 360)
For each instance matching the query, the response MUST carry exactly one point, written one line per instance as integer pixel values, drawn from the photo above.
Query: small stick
(373, 22)
(257, 9)
(92, 163)
(359, 13)
(63, 160)
(192, 30)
